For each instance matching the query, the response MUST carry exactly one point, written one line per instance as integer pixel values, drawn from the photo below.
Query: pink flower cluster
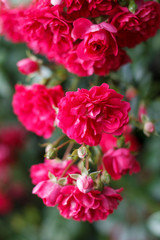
(82, 115)
(61, 31)
(35, 105)
(80, 201)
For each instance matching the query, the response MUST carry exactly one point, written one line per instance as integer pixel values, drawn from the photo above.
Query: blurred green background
(138, 215)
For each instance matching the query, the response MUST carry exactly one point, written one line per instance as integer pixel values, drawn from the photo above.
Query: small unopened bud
(105, 177)
(149, 128)
(132, 6)
(27, 66)
(49, 147)
(142, 111)
(131, 93)
(52, 153)
(82, 152)
(85, 184)
(74, 155)
(56, 2)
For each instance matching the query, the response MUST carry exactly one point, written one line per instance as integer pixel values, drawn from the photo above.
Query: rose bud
(148, 128)
(142, 111)
(85, 184)
(82, 152)
(131, 93)
(27, 66)
(56, 2)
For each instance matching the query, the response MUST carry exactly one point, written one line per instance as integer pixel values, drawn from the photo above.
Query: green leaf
(75, 176)
(94, 175)
(62, 181)
(52, 177)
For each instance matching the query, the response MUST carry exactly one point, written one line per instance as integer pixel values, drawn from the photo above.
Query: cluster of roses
(11, 140)
(87, 117)
(86, 36)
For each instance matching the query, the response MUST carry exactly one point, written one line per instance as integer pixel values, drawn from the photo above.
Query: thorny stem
(87, 163)
(63, 144)
(67, 168)
(59, 140)
(55, 143)
(99, 162)
(69, 148)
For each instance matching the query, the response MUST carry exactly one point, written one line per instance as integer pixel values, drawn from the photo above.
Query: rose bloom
(149, 15)
(98, 39)
(86, 67)
(39, 172)
(48, 191)
(27, 66)
(109, 141)
(101, 7)
(88, 8)
(81, 67)
(111, 63)
(34, 106)
(45, 188)
(119, 162)
(127, 24)
(136, 28)
(47, 32)
(91, 206)
(84, 115)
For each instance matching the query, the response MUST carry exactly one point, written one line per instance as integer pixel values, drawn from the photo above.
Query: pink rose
(98, 39)
(45, 188)
(111, 63)
(85, 184)
(109, 141)
(34, 106)
(127, 24)
(101, 7)
(81, 67)
(47, 32)
(86, 8)
(84, 115)
(76, 8)
(11, 21)
(48, 191)
(119, 162)
(91, 206)
(149, 17)
(27, 66)
(39, 172)
(136, 28)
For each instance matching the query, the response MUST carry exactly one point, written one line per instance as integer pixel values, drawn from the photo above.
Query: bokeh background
(23, 215)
